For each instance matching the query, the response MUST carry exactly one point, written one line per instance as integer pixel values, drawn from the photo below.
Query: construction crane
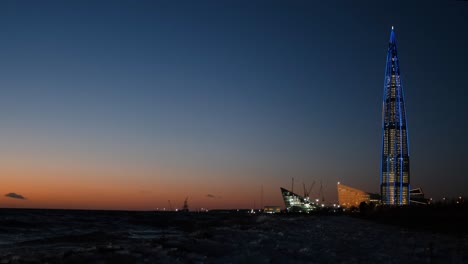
(170, 205)
(185, 207)
(261, 198)
(292, 185)
(321, 192)
(307, 191)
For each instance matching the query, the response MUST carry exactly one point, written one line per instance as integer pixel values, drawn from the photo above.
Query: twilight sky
(128, 104)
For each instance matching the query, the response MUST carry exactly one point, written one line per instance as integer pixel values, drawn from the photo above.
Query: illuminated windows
(395, 175)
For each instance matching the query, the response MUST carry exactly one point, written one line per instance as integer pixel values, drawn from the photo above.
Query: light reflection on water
(152, 234)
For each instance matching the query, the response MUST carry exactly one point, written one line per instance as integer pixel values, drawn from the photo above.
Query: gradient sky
(129, 104)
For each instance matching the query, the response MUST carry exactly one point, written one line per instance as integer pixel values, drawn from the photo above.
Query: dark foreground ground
(56, 236)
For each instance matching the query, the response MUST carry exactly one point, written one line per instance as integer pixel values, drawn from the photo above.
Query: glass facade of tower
(395, 170)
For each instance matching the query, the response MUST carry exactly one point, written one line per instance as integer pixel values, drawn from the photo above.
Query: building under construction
(296, 203)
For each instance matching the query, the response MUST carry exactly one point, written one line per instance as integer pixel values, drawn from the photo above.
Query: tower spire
(392, 37)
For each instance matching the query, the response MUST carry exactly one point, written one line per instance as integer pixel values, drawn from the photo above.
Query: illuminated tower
(395, 170)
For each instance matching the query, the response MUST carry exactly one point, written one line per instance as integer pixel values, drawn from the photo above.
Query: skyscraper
(395, 170)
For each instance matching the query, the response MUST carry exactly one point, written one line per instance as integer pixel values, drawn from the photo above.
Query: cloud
(15, 196)
(213, 196)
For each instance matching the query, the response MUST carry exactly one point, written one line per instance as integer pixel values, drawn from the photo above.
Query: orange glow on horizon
(124, 188)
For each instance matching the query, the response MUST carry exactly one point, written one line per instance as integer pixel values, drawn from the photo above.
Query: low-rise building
(349, 196)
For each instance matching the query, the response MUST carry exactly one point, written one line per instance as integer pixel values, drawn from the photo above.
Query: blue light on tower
(394, 166)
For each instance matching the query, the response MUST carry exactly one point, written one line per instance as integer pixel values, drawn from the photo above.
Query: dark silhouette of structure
(185, 207)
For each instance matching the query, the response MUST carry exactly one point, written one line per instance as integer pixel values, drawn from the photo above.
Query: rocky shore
(61, 236)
